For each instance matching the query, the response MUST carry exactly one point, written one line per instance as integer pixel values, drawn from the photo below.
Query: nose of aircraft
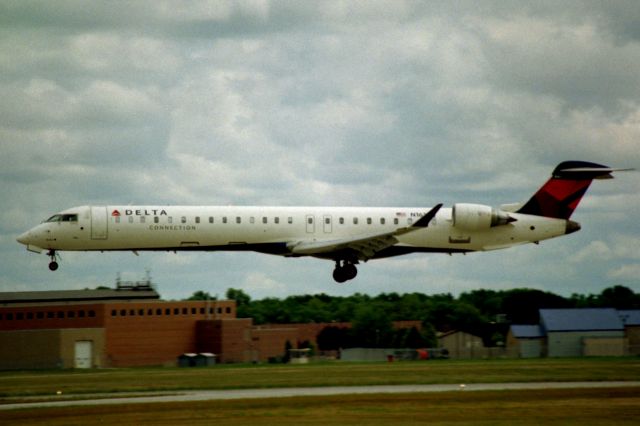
(24, 238)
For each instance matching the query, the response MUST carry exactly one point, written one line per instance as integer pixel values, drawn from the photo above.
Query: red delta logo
(115, 213)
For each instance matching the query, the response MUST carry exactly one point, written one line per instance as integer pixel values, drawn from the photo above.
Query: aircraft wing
(365, 246)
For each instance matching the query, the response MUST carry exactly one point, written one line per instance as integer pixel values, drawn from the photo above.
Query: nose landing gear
(345, 271)
(53, 265)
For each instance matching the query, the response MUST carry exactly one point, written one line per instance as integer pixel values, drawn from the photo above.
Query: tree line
(486, 313)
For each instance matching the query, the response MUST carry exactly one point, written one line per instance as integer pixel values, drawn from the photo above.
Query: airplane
(345, 235)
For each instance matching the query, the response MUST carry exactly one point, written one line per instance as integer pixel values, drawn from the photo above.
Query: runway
(204, 395)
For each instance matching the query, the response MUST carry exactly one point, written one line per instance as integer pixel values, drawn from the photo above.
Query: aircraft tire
(339, 275)
(53, 266)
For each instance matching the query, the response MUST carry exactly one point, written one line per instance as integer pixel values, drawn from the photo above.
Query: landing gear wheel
(344, 272)
(53, 265)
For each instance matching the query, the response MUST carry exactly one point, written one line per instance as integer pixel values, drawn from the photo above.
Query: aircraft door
(99, 223)
(311, 225)
(327, 223)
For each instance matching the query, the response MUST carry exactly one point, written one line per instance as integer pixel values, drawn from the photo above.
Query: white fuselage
(274, 230)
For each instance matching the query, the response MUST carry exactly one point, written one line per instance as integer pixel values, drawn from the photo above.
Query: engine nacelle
(476, 217)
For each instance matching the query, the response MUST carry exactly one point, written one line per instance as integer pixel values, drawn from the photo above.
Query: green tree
(201, 295)
(619, 297)
(372, 327)
(242, 302)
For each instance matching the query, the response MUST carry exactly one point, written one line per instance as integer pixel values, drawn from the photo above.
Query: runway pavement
(189, 396)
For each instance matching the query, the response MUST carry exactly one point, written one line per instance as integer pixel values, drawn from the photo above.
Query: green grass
(77, 382)
(619, 406)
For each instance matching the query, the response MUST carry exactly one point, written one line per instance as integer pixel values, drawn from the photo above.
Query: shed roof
(591, 319)
(527, 331)
(630, 317)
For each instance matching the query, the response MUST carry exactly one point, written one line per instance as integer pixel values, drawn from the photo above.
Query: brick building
(131, 326)
(109, 328)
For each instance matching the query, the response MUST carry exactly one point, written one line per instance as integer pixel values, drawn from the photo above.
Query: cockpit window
(63, 218)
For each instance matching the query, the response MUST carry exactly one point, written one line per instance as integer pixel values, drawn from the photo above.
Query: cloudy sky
(359, 103)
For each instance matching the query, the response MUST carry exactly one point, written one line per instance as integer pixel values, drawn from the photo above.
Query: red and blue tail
(559, 197)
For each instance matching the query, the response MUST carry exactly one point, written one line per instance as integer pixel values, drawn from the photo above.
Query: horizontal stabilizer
(584, 170)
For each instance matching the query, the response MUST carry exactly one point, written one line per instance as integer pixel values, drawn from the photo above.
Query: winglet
(423, 222)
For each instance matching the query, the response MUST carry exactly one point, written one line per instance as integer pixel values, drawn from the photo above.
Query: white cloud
(595, 251)
(629, 272)
(339, 103)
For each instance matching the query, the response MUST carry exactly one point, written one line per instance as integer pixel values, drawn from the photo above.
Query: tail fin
(559, 197)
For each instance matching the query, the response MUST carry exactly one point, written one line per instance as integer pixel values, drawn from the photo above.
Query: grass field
(619, 406)
(74, 382)
(569, 406)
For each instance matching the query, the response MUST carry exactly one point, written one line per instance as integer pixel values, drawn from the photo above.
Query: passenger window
(183, 219)
(210, 219)
(290, 220)
(238, 219)
(252, 219)
(276, 220)
(369, 221)
(224, 219)
(130, 219)
(170, 219)
(156, 219)
(143, 219)
(341, 220)
(264, 220)
(327, 220)
(117, 219)
(310, 221)
(382, 221)
(355, 220)
(197, 219)
(395, 221)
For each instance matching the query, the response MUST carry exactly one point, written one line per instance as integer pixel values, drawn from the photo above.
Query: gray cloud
(338, 103)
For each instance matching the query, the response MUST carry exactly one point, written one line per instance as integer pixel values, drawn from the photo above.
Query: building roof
(597, 319)
(526, 331)
(630, 317)
(21, 297)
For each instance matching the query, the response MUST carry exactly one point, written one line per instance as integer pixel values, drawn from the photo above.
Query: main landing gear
(345, 271)
(53, 265)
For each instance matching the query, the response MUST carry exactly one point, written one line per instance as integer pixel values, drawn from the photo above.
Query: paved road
(188, 396)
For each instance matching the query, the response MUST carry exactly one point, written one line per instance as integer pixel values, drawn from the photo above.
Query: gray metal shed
(530, 340)
(567, 330)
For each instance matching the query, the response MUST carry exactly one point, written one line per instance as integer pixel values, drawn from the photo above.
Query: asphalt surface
(190, 396)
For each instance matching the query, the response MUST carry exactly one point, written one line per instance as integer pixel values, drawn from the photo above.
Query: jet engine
(476, 217)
